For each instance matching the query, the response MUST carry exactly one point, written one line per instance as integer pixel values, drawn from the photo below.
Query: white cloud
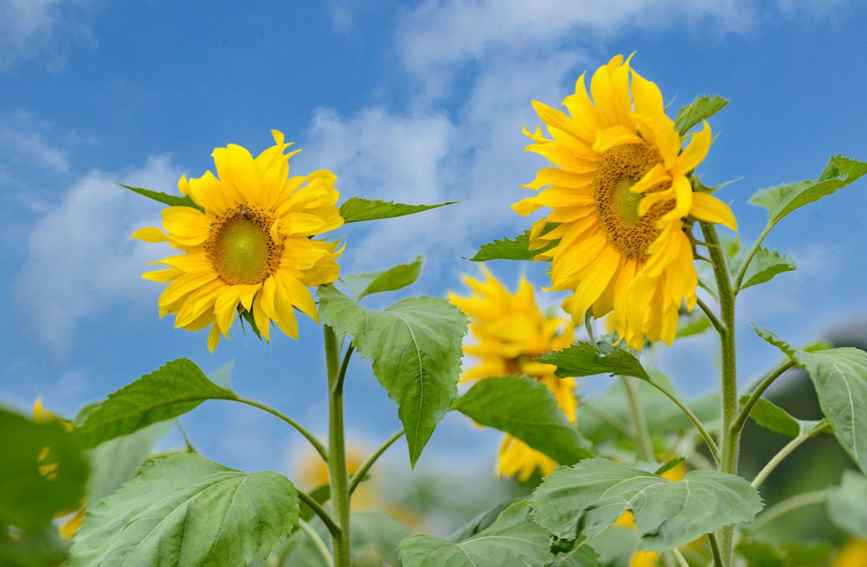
(81, 261)
(30, 147)
(30, 27)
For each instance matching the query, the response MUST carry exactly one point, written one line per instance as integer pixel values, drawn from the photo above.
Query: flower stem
(319, 511)
(714, 450)
(739, 279)
(356, 478)
(320, 448)
(786, 451)
(642, 435)
(317, 542)
(730, 442)
(757, 393)
(337, 452)
(714, 549)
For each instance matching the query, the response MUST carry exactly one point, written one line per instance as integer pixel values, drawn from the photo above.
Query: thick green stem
(337, 452)
(786, 451)
(642, 435)
(729, 380)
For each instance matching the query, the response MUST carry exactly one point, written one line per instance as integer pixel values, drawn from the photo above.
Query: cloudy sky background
(418, 102)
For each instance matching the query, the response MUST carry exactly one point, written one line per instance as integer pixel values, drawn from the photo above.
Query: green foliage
(846, 504)
(774, 418)
(356, 209)
(186, 510)
(174, 389)
(773, 554)
(781, 200)
(415, 347)
(525, 408)
(43, 548)
(693, 324)
(584, 359)
(512, 540)
(164, 198)
(392, 279)
(42, 472)
(593, 494)
(517, 248)
(839, 376)
(702, 108)
(764, 266)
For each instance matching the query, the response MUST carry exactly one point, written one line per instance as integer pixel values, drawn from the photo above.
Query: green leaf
(392, 279)
(839, 376)
(356, 209)
(702, 108)
(594, 493)
(512, 540)
(176, 388)
(584, 359)
(764, 266)
(776, 419)
(846, 504)
(480, 522)
(781, 200)
(186, 510)
(774, 554)
(44, 548)
(695, 323)
(415, 347)
(525, 408)
(34, 489)
(164, 198)
(517, 248)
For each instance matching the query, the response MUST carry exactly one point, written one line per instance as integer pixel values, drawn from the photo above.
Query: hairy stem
(337, 452)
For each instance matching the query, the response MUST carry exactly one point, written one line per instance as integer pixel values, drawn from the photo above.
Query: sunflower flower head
(247, 245)
(510, 332)
(621, 201)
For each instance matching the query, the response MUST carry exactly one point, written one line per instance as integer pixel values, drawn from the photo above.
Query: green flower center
(617, 207)
(240, 246)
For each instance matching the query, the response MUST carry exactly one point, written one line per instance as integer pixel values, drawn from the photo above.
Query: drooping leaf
(702, 108)
(776, 419)
(594, 493)
(514, 539)
(764, 266)
(775, 554)
(174, 389)
(186, 510)
(584, 359)
(781, 200)
(356, 209)
(525, 408)
(839, 376)
(846, 504)
(517, 248)
(42, 471)
(392, 279)
(164, 198)
(415, 347)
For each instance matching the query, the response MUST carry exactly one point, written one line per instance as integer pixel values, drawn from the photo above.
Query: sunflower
(621, 200)
(247, 244)
(510, 333)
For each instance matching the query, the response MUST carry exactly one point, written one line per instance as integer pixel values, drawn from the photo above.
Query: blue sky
(411, 101)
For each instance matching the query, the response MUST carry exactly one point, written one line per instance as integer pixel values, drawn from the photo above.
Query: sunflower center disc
(617, 207)
(241, 248)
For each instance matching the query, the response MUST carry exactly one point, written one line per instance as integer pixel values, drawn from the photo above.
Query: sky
(419, 102)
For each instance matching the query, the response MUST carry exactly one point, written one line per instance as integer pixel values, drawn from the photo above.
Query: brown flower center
(240, 246)
(617, 207)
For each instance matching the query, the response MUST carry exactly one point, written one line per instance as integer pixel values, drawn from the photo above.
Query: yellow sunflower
(853, 554)
(510, 332)
(620, 194)
(247, 248)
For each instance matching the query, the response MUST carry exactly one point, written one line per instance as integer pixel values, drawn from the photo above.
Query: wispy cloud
(33, 28)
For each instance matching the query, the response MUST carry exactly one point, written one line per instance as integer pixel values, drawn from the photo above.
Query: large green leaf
(42, 472)
(839, 376)
(847, 504)
(776, 419)
(525, 408)
(594, 493)
(415, 347)
(783, 199)
(702, 108)
(584, 359)
(764, 266)
(517, 248)
(186, 510)
(512, 540)
(392, 279)
(164, 198)
(356, 209)
(176, 388)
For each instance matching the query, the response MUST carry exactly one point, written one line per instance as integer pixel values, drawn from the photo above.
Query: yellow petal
(150, 234)
(708, 208)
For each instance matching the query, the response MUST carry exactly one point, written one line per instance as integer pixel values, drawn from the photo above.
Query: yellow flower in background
(619, 194)
(853, 554)
(40, 415)
(510, 332)
(249, 249)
